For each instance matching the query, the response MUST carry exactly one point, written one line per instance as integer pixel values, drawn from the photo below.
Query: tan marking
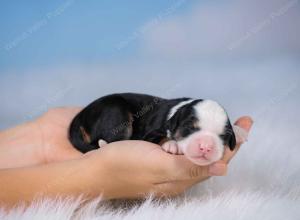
(196, 124)
(85, 135)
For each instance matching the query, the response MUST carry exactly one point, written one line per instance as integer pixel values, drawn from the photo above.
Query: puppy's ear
(231, 140)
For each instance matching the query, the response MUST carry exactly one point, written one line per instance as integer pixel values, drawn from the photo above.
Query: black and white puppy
(197, 128)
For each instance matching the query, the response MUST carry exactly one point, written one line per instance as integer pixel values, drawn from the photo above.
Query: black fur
(134, 116)
(228, 136)
(182, 123)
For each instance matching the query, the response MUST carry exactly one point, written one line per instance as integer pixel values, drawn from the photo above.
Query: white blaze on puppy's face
(205, 146)
(212, 117)
(178, 106)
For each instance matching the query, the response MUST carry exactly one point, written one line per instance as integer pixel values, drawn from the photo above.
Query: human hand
(41, 141)
(125, 169)
(132, 169)
(54, 126)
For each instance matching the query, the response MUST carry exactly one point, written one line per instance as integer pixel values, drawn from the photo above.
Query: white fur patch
(178, 106)
(212, 117)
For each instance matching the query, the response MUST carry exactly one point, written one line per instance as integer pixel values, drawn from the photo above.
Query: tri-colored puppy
(198, 128)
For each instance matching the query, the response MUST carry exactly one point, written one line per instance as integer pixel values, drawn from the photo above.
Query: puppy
(196, 128)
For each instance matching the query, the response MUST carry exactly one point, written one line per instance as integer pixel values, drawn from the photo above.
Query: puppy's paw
(171, 147)
(102, 143)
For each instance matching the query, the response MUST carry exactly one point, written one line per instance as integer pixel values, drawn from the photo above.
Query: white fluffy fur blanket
(263, 183)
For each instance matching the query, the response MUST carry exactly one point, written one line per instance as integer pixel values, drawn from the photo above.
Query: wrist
(96, 177)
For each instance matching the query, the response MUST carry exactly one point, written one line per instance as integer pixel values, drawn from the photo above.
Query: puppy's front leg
(172, 147)
(102, 143)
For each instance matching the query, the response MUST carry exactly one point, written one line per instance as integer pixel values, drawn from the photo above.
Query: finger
(180, 168)
(217, 169)
(199, 172)
(244, 123)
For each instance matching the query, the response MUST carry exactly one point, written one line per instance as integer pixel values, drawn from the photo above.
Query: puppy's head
(201, 129)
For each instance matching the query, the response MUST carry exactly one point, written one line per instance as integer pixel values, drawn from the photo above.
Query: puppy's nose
(205, 149)
(206, 144)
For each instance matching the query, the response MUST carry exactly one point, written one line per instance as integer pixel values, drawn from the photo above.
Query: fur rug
(263, 183)
(230, 205)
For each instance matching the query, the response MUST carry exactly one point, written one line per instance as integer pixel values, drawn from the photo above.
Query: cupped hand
(129, 169)
(132, 169)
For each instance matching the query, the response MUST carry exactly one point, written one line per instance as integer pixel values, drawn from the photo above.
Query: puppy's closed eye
(229, 138)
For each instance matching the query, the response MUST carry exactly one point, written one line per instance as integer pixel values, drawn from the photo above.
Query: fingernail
(217, 169)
